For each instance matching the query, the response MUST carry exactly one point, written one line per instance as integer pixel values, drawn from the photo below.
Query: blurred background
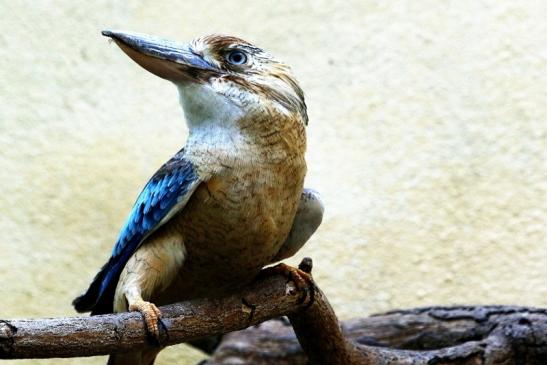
(427, 139)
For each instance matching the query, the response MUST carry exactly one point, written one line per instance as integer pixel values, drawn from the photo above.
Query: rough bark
(100, 335)
(438, 335)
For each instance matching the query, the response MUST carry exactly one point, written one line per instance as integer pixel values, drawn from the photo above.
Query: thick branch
(449, 336)
(101, 335)
(438, 335)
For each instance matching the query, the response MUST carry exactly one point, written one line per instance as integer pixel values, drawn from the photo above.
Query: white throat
(212, 118)
(203, 106)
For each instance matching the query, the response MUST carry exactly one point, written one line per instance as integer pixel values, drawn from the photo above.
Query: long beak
(166, 59)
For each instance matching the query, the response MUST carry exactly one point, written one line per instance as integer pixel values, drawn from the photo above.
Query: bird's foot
(300, 276)
(151, 315)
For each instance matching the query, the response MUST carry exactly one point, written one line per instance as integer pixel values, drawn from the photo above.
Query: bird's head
(223, 81)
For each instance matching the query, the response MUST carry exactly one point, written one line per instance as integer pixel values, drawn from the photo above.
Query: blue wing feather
(174, 182)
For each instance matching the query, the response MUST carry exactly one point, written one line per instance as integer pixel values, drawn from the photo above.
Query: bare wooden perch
(437, 335)
(101, 335)
(458, 335)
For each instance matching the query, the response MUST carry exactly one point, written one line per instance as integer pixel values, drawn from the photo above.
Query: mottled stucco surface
(427, 139)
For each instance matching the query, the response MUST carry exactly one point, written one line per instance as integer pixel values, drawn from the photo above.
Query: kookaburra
(230, 202)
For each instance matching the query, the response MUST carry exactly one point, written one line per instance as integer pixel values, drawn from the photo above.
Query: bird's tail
(86, 302)
(145, 357)
(99, 296)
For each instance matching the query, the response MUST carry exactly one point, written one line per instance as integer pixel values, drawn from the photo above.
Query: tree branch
(100, 335)
(438, 335)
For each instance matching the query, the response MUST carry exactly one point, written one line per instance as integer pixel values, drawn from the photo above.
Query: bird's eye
(236, 58)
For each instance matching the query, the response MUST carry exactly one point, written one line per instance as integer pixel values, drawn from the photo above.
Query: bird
(229, 203)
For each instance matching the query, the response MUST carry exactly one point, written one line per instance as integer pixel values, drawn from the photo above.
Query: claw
(301, 279)
(151, 315)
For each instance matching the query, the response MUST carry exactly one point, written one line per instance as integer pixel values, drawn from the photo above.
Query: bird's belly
(232, 227)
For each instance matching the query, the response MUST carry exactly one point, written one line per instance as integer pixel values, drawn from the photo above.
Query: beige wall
(427, 139)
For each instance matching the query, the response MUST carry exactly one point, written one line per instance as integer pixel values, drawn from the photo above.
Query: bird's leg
(148, 273)
(149, 311)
